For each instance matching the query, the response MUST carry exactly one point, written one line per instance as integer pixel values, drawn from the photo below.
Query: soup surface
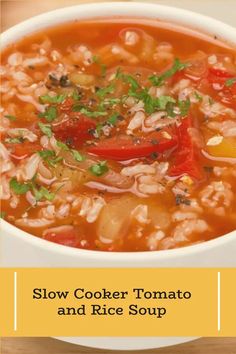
(119, 135)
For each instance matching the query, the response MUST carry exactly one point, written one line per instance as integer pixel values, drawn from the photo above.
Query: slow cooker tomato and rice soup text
(119, 135)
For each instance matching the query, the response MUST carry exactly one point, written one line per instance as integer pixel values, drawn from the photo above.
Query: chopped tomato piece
(123, 147)
(218, 74)
(76, 130)
(186, 159)
(65, 237)
(218, 80)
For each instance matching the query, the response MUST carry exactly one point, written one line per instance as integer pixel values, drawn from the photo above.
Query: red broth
(119, 135)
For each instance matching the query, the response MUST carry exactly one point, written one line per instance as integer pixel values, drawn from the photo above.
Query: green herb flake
(49, 156)
(99, 169)
(230, 82)
(14, 140)
(45, 154)
(184, 107)
(103, 70)
(197, 96)
(162, 101)
(102, 92)
(62, 146)
(170, 110)
(10, 117)
(159, 80)
(46, 194)
(53, 162)
(50, 114)
(134, 85)
(111, 101)
(77, 155)
(113, 119)
(151, 104)
(76, 96)
(45, 129)
(94, 114)
(42, 193)
(52, 99)
(3, 214)
(77, 107)
(95, 59)
(98, 129)
(19, 188)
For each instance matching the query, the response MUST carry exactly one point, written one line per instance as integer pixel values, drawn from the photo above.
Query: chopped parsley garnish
(45, 154)
(41, 193)
(184, 107)
(98, 129)
(103, 67)
(134, 85)
(95, 59)
(162, 101)
(14, 140)
(159, 80)
(52, 99)
(230, 82)
(17, 187)
(130, 80)
(50, 114)
(76, 96)
(2, 214)
(55, 161)
(99, 169)
(62, 145)
(102, 92)
(77, 107)
(91, 114)
(111, 101)
(45, 129)
(197, 96)
(170, 109)
(113, 119)
(49, 156)
(118, 73)
(103, 70)
(151, 104)
(77, 155)
(10, 117)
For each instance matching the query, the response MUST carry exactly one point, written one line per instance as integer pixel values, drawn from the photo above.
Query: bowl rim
(182, 17)
(7, 228)
(202, 24)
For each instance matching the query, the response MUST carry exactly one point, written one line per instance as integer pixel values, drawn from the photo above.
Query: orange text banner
(117, 302)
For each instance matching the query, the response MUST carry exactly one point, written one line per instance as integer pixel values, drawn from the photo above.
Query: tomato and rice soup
(119, 135)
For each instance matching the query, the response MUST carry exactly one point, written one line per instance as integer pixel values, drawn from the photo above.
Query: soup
(119, 135)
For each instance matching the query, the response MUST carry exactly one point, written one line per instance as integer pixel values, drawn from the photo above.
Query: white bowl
(20, 249)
